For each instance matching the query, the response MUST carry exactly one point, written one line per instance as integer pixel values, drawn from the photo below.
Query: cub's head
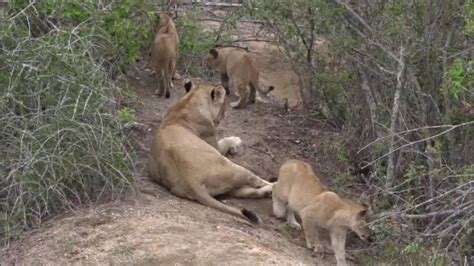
(212, 60)
(209, 100)
(164, 18)
(359, 221)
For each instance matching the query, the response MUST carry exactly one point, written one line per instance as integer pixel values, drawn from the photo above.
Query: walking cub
(299, 191)
(237, 66)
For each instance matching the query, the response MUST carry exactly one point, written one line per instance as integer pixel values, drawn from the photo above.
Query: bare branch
(394, 119)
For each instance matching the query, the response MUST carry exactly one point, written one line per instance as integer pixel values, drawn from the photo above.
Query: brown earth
(154, 227)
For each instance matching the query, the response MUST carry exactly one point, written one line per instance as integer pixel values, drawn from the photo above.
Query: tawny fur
(165, 53)
(236, 66)
(187, 159)
(299, 191)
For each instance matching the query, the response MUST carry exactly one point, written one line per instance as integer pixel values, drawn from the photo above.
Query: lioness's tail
(201, 195)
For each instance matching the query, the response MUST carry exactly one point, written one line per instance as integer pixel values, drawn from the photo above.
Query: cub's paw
(176, 76)
(318, 249)
(236, 105)
(295, 226)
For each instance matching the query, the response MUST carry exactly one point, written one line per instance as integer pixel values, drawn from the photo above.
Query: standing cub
(299, 190)
(237, 66)
(164, 53)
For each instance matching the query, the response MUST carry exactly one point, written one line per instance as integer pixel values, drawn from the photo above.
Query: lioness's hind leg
(279, 206)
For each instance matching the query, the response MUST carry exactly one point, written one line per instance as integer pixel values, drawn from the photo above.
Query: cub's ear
(216, 94)
(362, 213)
(214, 53)
(188, 84)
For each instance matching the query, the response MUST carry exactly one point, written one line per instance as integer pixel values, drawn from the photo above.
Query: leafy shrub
(62, 144)
(194, 45)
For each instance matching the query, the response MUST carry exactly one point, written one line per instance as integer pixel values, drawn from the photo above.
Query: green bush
(62, 143)
(195, 44)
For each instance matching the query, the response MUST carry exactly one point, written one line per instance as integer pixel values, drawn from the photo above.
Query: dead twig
(266, 151)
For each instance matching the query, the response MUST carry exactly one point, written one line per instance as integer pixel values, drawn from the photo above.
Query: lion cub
(237, 66)
(164, 53)
(298, 190)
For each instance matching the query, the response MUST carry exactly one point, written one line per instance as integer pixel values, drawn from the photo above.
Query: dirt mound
(158, 229)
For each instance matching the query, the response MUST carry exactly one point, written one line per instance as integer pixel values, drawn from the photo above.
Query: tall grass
(61, 142)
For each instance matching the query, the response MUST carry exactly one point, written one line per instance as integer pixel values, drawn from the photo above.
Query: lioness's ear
(214, 53)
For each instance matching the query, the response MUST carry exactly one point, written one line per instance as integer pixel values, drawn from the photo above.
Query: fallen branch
(266, 151)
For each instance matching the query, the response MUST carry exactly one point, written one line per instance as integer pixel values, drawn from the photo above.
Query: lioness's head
(212, 61)
(210, 100)
(359, 222)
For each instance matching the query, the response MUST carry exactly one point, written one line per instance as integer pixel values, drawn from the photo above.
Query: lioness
(236, 65)
(187, 159)
(299, 190)
(164, 53)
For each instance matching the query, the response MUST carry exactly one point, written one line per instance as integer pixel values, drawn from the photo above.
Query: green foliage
(460, 77)
(410, 249)
(62, 144)
(195, 44)
(469, 28)
(127, 115)
(194, 40)
(122, 27)
(342, 153)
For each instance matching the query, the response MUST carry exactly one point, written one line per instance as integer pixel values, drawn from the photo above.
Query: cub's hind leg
(279, 206)
(225, 83)
(310, 231)
(251, 192)
(243, 95)
(291, 220)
